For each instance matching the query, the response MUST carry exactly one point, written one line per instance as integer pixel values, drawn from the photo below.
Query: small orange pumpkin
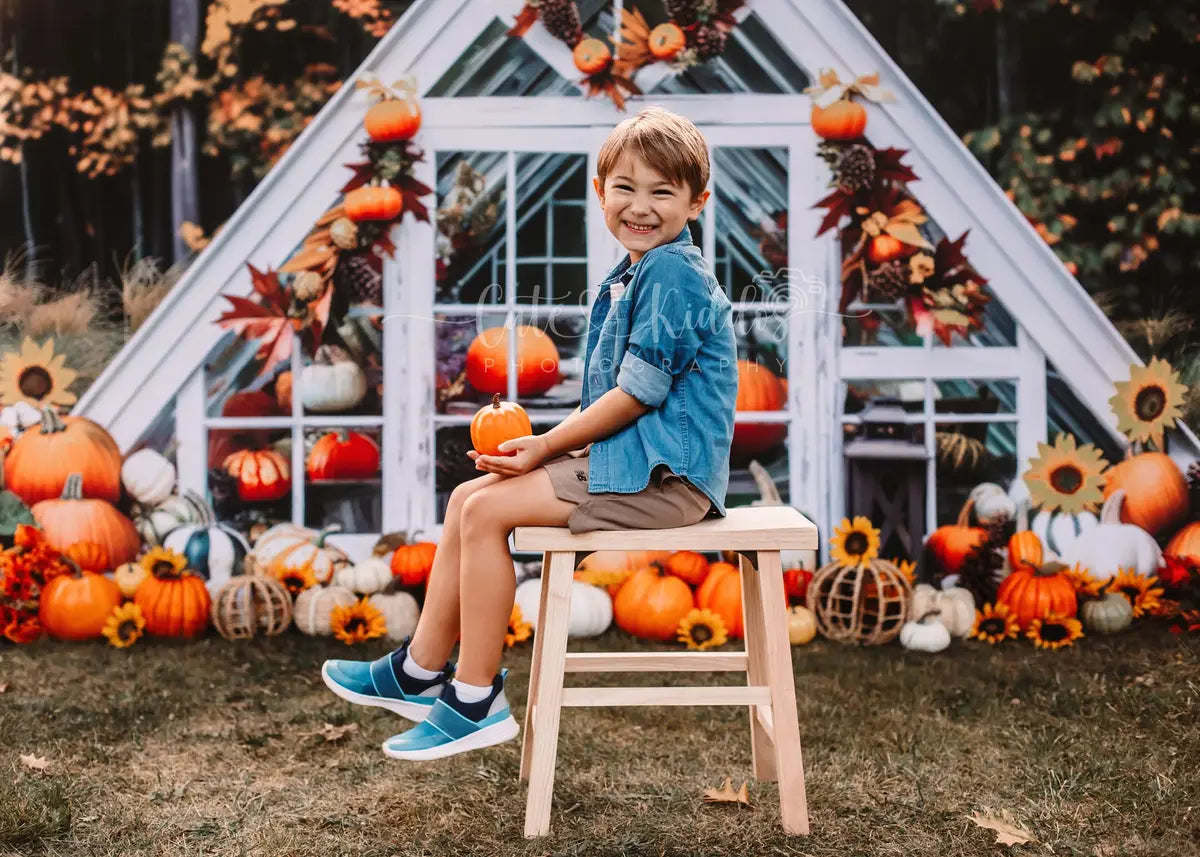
(372, 202)
(261, 474)
(1156, 494)
(1025, 548)
(666, 40)
(89, 556)
(688, 566)
(74, 518)
(759, 389)
(721, 593)
(41, 459)
(1185, 544)
(76, 606)
(1032, 592)
(651, 602)
(950, 545)
(392, 119)
(591, 56)
(343, 454)
(174, 603)
(497, 422)
(842, 120)
(884, 248)
(412, 562)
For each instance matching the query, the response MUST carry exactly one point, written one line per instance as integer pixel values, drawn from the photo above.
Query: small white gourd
(333, 382)
(400, 612)
(313, 609)
(148, 476)
(925, 634)
(366, 577)
(591, 607)
(991, 503)
(955, 607)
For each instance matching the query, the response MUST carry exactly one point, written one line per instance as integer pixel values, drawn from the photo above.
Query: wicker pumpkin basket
(251, 604)
(863, 603)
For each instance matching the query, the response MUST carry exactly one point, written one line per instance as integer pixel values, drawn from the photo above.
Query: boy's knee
(478, 510)
(461, 492)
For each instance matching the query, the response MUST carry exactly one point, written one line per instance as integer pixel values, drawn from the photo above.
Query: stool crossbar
(758, 534)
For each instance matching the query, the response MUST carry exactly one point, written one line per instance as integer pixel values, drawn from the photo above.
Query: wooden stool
(758, 534)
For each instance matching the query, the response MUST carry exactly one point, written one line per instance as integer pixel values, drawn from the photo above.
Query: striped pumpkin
(213, 551)
(287, 546)
(1059, 530)
(154, 522)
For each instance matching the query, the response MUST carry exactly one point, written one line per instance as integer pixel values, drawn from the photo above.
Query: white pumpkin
(400, 612)
(924, 634)
(591, 607)
(332, 382)
(1059, 530)
(154, 522)
(991, 503)
(213, 550)
(370, 575)
(290, 546)
(19, 416)
(313, 609)
(148, 476)
(1112, 545)
(955, 607)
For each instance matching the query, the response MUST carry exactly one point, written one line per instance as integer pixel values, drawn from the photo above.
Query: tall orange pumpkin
(392, 119)
(41, 459)
(1024, 547)
(1156, 494)
(950, 545)
(413, 561)
(174, 604)
(537, 361)
(721, 592)
(651, 603)
(73, 518)
(76, 606)
(1032, 592)
(689, 566)
(842, 120)
(759, 389)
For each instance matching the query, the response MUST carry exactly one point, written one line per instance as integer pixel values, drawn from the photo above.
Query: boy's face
(642, 208)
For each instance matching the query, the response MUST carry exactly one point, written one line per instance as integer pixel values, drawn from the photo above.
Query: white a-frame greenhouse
(506, 119)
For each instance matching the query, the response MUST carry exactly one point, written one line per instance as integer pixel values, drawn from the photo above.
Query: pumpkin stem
(927, 614)
(319, 539)
(203, 510)
(964, 514)
(51, 422)
(343, 436)
(73, 487)
(496, 401)
(1110, 512)
(1048, 569)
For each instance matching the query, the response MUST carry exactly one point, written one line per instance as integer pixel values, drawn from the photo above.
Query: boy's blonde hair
(665, 141)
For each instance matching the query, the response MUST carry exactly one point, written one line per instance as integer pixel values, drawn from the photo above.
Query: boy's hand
(530, 450)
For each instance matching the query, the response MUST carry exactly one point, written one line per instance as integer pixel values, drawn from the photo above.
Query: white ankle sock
(414, 669)
(470, 692)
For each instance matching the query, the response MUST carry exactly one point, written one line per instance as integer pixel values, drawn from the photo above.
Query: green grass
(199, 748)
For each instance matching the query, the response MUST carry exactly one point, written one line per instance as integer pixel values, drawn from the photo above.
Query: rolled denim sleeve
(671, 302)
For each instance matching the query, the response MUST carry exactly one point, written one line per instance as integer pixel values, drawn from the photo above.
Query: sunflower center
(35, 382)
(1150, 403)
(356, 625)
(856, 543)
(162, 568)
(1130, 592)
(1066, 479)
(127, 630)
(992, 626)
(701, 633)
(1053, 632)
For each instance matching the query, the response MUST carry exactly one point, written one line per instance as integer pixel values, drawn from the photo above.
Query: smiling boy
(647, 448)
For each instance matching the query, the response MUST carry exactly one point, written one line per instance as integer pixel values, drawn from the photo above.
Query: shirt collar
(623, 267)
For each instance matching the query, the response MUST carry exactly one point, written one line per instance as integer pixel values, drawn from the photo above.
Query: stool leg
(553, 631)
(535, 668)
(756, 672)
(788, 760)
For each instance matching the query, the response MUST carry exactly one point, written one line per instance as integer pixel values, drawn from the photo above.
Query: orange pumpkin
(666, 40)
(41, 459)
(89, 556)
(261, 474)
(393, 119)
(611, 569)
(1156, 494)
(343, 454)
(842, 120)
(688, 566)
(76, 606)
(244, 403)
(950, 545)
(174, 604)
(884, 248)
(1185, 544)
(795, 584)
(651, 603)
(1032, 592)
(759, 389)
(1024, 547)
(591, 56)
(73, 518)
(721, 593)
(537, 361)
(412, 562)
(495, 423)
(283, 391)
(372, 202)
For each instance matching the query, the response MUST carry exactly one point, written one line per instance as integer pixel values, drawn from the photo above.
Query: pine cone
(708, 42)
(357, 281)
(984, 567)
(1193, 481)
(682, 12)
(855, 169)
(889, 280)
(561, 19)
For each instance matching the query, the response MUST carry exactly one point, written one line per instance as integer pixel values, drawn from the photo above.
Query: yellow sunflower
(164, 562)
(1054, 631)
(296, 579)
(124, 625)
(1082, 580)
(518, 629)
(1065, 477)
(854, 542)
(702, 629)
(908, 568)
(602, 576)
(995, 623)
(357, 622)
(1140, 591)
(1149, 402)
(36, 375)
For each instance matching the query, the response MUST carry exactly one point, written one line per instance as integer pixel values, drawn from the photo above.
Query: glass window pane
(344, 376)
(550, 363)
(544, 180)
(970, 396)
(765, 443)
(342, 479)
(497, 65)
(874, 325)
(859, 392)
(570, 229)
(753, 61)
(762, 339)
(970, 453)
(570, 284)
(459, 388)
(470, 220)
(750, 193)
(269, 499)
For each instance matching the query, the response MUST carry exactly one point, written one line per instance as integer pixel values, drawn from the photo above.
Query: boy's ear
(599, 188)
(698, 204)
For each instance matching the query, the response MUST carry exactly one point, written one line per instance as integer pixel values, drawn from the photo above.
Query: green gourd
(1108, 614)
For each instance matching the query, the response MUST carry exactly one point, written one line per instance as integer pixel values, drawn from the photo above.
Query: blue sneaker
(454, 726)
(384, 684)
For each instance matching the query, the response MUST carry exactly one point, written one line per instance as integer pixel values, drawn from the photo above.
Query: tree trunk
(185, 202)
(26, 210)
(1008, 58)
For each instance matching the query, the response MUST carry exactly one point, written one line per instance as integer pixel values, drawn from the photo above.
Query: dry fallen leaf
(3, 687)
(36, 763)
(726, 794)
(1008, 831)
(332, 733)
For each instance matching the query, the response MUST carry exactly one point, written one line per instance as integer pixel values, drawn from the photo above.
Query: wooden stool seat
(758, 534)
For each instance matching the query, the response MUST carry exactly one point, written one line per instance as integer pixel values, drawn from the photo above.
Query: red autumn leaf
(526, 18)
(363, 173)
(888, 166)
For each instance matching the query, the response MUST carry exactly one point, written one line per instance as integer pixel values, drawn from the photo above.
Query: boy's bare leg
(437, 630)
(486, 569)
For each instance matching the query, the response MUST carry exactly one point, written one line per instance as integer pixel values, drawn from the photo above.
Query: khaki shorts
(667, 501)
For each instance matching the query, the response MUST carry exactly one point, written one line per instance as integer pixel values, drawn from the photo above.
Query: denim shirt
(667, 341)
